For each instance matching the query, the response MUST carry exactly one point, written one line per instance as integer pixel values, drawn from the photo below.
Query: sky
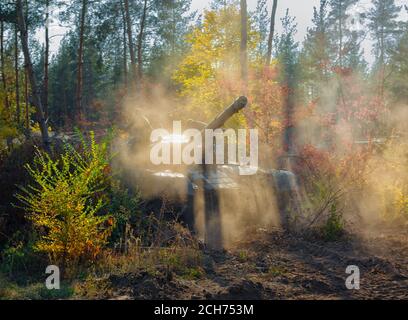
(302, 10)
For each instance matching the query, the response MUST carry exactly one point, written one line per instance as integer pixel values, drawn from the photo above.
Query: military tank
(206, 192)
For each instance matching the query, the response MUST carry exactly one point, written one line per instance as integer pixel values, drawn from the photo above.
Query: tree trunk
(140, 43)
(17, 79)
(382, 70)
(244, 42)
(173, 33)
(3, 69)
(340, 35)
(125, 71)
(271, 32)
(130, 42)
(78, 111)
(341, 25)
(66, 114)
(27, 103)
(288, 138)
(26, 99)
(46, 59)
(31, 76)
(382, 57)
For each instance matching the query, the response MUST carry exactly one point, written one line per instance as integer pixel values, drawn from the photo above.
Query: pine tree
(383, 26)
(398, 81)
(271, 32)
(342, 38)
(261, 21)
(170, 23)
(288, 55)
(33, 80)
(354, 59)
(288, 48)
(315, 55)
(244, 43)
(223, 4)
(80, 65)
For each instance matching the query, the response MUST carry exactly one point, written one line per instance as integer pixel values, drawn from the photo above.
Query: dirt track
(280, 266)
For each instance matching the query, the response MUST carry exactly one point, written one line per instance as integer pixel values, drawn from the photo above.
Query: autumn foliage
(65, 202)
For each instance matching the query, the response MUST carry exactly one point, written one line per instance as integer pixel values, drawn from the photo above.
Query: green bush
(65, 202)
(125, 208)
(334, 226)
(19, 261)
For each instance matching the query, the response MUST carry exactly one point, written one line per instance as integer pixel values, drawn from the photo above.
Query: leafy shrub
(65, 202)
(18, 259)
(328, 180)
(401, 202)
(388, 183)
(334, 226)
(125, 208)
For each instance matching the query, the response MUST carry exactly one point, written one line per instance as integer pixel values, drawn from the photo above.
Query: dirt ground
(277, 265)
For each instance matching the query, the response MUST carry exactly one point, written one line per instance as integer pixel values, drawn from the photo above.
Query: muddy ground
(277, 265)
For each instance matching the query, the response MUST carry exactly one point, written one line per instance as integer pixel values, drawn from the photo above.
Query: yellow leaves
(388, 181)
(276, 124)
(401, 201)
(209, 76)
(65, 204)
(7, 132)
(214, 44)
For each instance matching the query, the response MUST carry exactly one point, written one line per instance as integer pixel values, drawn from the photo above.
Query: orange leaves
(110, 221)
(107, 170)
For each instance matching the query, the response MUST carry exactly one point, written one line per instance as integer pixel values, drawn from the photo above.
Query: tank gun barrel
(224, 116)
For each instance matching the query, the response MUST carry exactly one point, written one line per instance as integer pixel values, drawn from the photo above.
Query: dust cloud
(243, 203)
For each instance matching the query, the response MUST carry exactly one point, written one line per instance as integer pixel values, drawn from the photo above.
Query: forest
(84, 83)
